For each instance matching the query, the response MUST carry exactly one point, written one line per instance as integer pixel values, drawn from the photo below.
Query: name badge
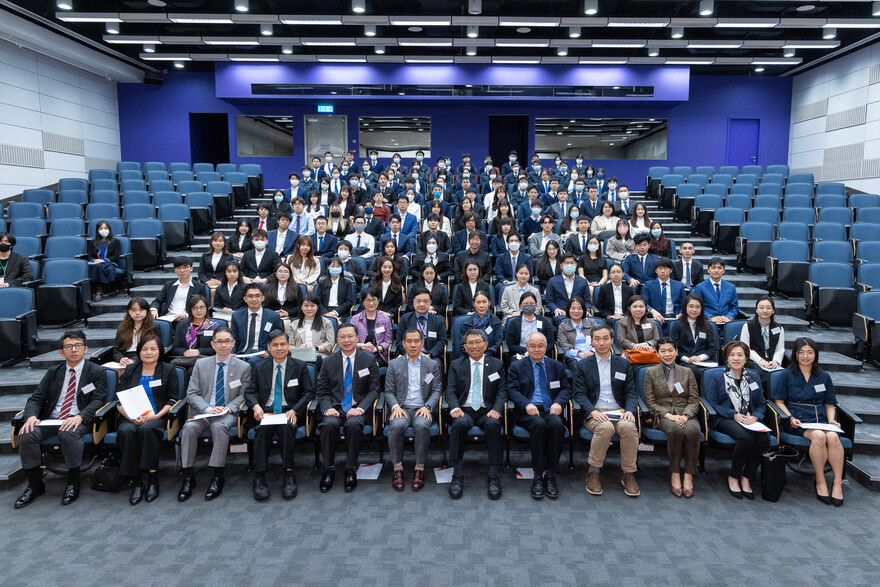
(293, 383)
(646, 326)
(701, 335)
(554, 385)
(88, 388)
(155, 383)
(776, 330)
(678, 388)
(620, 376)
(364, 373)
(268, 327)
(494, 377)
(820, 388)
(429, 378)
(379, 329)
(235, 384)
(488, 330)
(540, 325)
(432, 334)
(753, 385)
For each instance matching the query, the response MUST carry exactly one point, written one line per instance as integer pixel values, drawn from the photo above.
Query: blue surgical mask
(419, 157)
(574, 214)
(438, 195)
(563, 169)
(600, 175)
(368, 211)
(656, 233)
(569, 268)
(335, 271)
(579, 188)
(359, 228)
(536, 212)
(511, 159)
(278, 199)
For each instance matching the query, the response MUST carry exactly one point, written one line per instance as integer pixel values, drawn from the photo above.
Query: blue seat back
(805, 189)
(749, 178)
(179, 176)
(99, 174)
(27, 227)
(744, 202)
(146, 228)
(72, 183)
(798, 201)
(158, 175)
(684, 170)
(169, 212)
(780, 169)
(133, 185)
(864, 231)
(65, 247)
(833, 251)
(707, 170)
(795, 231)
(219, 187)
(768, 201)
(688, 190)
(800, 215)
(753, 169)
(208, 176)
(154, 166)
(829, 231)
(700, 179)
(869, 304)
(67, 227)
(723, 178)
(130, 175)
(830, 188)
(104, 197)
(729, 216)
(769, 178)
(235, 178)
(15, 301)
(64, 271)
(842, 215)
(128, 166)
(868, 214)
(829, 201)
(104, 184)
(178, 166)
(717, 189)
(164, 198)
(859, 201)
(768, 215)
(731, 170)
(671, 179)
(732, 331)
(187, 187)
(657, 171)
(868, 251)
(709, 202)
(137, 211)
(64, 210)
(827, 274)
(73, 196)
(162, 185)
(27, 246)
(224, 168)
(869, 274)
(202, 167)
(770, 189)
(745, 189)
(135, 197)
(790, 251)
(17, 210)
(756, 231)
(802, 178)
(251, 169)
(38, 196)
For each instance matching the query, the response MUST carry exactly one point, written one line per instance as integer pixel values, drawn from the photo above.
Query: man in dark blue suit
(507, 168)
(432, 326)
(539, 389)
(404, 242)
(461, 239)
(409, 223)
(639, 269)
(719, 296)
(664, 296)
(562, 288)
(507, 264)
(251, 326)
(282, 240)
(323, 243)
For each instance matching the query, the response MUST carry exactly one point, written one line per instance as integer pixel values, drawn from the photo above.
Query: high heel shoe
(826, 499)
(836, 502)
(736, 494)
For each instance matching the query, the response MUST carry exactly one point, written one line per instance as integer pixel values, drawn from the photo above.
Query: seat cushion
(300, 433)
(659, 435)
(725, 440)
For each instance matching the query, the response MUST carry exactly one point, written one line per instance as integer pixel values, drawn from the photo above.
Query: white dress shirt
(334, 292)
(74, 409)
(178, 302)
(271, 401)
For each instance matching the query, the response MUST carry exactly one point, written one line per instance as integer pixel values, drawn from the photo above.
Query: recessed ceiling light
(287, 49)
(676, 32)
(523, 30)
(242, 5)
(805, 7)
(591, 7)
(611, 144)
(149, 48)
(475, 6)
(759, 69)
(875, 9)
(380, 50)
(562, 51)
(266, 30)
(653, 51)
(788, 52)
(178, 64)
(707, 7)
(471, 51)
(415, 29)
(64, 5)
(358, 6)
(112, 28)
(473, 32)
(574, 32)
(157, 3)
(370, 30)
(829, 33)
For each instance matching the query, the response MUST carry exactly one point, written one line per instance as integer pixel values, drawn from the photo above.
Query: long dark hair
(757, 321)
(318, 322)
(125, 330)
(800, 343)
(396, 284)
(96, 244)
(629, 304)
(292, 291)
(701, 323)
(543, 267)
(224, 281)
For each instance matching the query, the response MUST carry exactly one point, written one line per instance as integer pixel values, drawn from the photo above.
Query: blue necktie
(320, 243)
(347, 394)
(219, 394)
(718, 291)
(687, 274)
(279, 389)
(545, 388)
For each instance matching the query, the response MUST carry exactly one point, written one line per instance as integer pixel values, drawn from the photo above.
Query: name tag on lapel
(88, 388)
(540, 325)
(155, 383)
(776, 330)
(820, 388)
(494, 377)
(364, 373)
(488, 330)
(554, 385)
(268, 327)
(646, 326)
(293, 383)
(753, 385)
(235, 384)
(432, 334)
(380, 329)
(678, 388)
(429, 378)
(620, 376)
(701, 335)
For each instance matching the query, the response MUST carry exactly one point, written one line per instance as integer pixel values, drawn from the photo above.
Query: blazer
(654, 298)
(292, 299)
(687, 346)
(397, 382)
(276, 209)
(573, 244)
(328, 245)
(590, 210)
(536, 239)
(622, 211)
(43, 400)
(727, 304)
(18, 270)
(111, 253)
(410, 226)
(510, 298)
(436, 328)
(716, 395)
(240, 322)
(463, 301)
(353, 269)
(392, 301)
(680, 403)
(364, 385)
(444, 243)
(547, 272)
(632, 268)
(513, 334)
(498, 243)
(556, 296)
(587, 386)
(567, 333)
(207, 272)
(382, 332)
(119, 352)
(324, 337)
(504, 269)
(268, 264)
(271, 223)
(481, 258)
(521, 382)
(203, 381)
(439, 297)
(203, 342)
(298, 391)
(617, 249)
(460, 241)
(235, 247)
(493, 333)
(493, 388)
(627, 330)
(375, 227)
(223, 299)
(443, 266)
(167, 385)
(696, 271)
(169, 290)
(290, 239)
(344, 297)
(605, 298)
(405, 242)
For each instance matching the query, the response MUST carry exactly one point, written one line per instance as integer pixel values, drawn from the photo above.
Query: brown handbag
(651, 420)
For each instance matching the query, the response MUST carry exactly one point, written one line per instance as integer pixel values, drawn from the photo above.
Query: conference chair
(64, 294)
(829, 294)
(787, 266)
(18, 324)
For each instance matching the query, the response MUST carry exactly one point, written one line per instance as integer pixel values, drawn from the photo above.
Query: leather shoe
(288, 488)
(823, 498)
(152, 492)
(418, 480)
(351, 480)
(456, 488)
(676, 491)
(538, 488)
(137, 492)
(687, 493)
(186, 488)
(327, 478)
(736, 494)
(494, 489)
(836, 502)
(749, 495)
(550, 487)
(214, 489)
(397, 480)
(29, 495)
(261, 489)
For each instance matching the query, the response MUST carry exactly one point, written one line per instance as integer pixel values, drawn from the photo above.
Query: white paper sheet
(708, 364)
(135, 402)
(50, 423)
(756, 427)
(369, 471)
(273, 419)
(826, 427)
(525, 473)
(443, 474)
(204, 416)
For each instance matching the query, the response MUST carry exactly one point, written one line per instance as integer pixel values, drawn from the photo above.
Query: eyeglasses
(253, 296)
(475, 342)
(224, 341)
(74, 347)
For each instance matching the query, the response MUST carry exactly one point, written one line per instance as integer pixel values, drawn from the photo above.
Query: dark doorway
(209, 137)
(508, 133)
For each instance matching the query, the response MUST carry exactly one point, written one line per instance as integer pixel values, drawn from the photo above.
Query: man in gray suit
(412, 391)
(217, 386)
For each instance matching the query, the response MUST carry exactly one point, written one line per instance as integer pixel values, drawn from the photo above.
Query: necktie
(563, 210)
(545, 388)
(347, 394)
(297, 224)
(336, 187)
(358, 244)
(423, 326)
(687, 274)
(644, 270)
(395, 239)
(320, 243)
(262, 225)
(477, 388)
(252, 331)
(219, 394)
(625, 208)
(513, 264)
(718, 291)
(279, 389)
(665, 297)
(69, 396)
(546, 188)
(611, 197)
(583, 244)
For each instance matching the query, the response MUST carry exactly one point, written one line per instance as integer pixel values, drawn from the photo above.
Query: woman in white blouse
(640, 221)
(305, 267)
(311, 330)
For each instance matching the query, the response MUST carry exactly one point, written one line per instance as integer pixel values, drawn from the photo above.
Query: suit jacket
(460, 241)
(298, 391)
(202, 382)
(276, 209)
(169, 290)
(556, 296)
(397, 382)
(619, 210)
(567, 333)
(111, 252)
(659, 397)
(482, 259)
(696, 271)
(556, 210)
(727, 304)
(376, 227)
(654, 298)
(632, 268)
(325, 337)
(207, 272)
(715, 393)
(270, 224)
(521, 382)
(410, 226)
(405, 242)
(605, 298)
(444, 243)
(268, 264)
(513, 333)
(18, 270)
(365, 381)
(627, 333)
(537, 238)
(588, 209)
(493, 388)
(436, 328)
(493, 333)
(504, 271)
(587, 386)
(222, 298)
(344, 297)
(463, 301)
(42, 402)
(618, 249)
(241, 322)
(328, 246)
(687, 346)
(235, 247)
(290, 239)
(165, 385)
(573, 244)
(443, 266)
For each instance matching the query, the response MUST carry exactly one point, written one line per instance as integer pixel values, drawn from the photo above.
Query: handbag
(773, 471)
(106, 477)
(642, 357)
(651, 420)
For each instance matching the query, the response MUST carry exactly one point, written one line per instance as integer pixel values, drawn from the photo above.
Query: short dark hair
(641, 237)
(251, 286)
(285, 214)
(417, 292)
(147, 338)
(8, 237)
(527, 294)
(603, 326)
(182, 261)
(476, 332)
(413, 331)
(346, 325)
(75, 334)
(664, 262)
(276, 333)
(223, 330)
(665, 340)
(715, 261)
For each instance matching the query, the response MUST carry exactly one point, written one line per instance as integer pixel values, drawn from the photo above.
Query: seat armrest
(643, 407)
(708, 408)
(101, 423)
(178, 406)
(848, 421)
(101, 355)
(106, 410)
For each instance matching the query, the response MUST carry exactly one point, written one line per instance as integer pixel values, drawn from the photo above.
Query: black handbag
(773, 464)
(106, 477)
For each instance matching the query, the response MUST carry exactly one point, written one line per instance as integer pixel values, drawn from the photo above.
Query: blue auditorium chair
(64, 294)
(66, 227)
(104, 184)
(840, 215)
(795, 231)
(177, 227)
(99, 174)
(223, 199)
(800, 215)
(70, 196)
(753, 169)
(829, 231)
(700, 179)
(768, 215)
(830, 294)
(239, 183)
(717, 189)
(724, 179)
(704, 212)
(652, 181)
(130, 175)
(224, 168)
(668, 183)
(868, 215)
(768, 201)
(741, 201)
(830, 188)
(189, 187)
(147, 243)
(137, 212)
(104, 197)
(154, 166)
(780, 169)
(128, 166)
(859, 201)
(201, 210)
(18, 323)
(745, 189)
(254, 173)
(28, 227)
(803, 189)
(38, 196)
(65, 247)
(133, 185)
(72, 183)
(798, 201)
(770, 189)
(867, 252)
(731, 170)
(747, 178)
(868, 275)
(178, 166)
(207, 177)
(158, 175)
(30, 247)
(165, 198)
(202, 167)
(135, 197)
(117, 225)
(684, 170)
(829, 201)
(802, 178)
(771, 178)
(706, 170)
(162, 185)
(16, 210)
(179, 176)
(864, 231)
(753, 245)
(832, 252)
(683, 200)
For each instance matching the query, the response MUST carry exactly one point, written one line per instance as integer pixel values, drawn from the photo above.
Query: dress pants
(189, 439)
(139, 445)
(680, 439)
(492, 427)
(71, 445)
(602, 433)
(747, 450)
(353, 428)
(263, 435)
(546, 436)
(421, 436)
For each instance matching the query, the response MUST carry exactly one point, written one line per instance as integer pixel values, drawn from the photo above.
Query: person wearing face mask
(538, 241)
(589, 175)
(611, 190)
(659, 243)
(621, 244)
(623, 208)
(401, 168)
(519, 192)
(579, 165)
(506, 265)
(537, 177)
(326, 168)
(601, 184)
(562, 288)
(350, 267)
(308, 180)
(519, 327)
(507, 168)
(592, 266)
(279, 205)
(485, 178)
(434, 256)
(103, 260)
(570, 182)
(260, 262)
(530, 211)
(511, 294)
(297, 188)
(375, 166)
(363, 244)
(335, 291)
(433, 230)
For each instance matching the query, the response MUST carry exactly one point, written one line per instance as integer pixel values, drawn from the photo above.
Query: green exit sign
(325, 108)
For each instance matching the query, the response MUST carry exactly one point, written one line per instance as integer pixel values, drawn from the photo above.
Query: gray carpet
(377, 536)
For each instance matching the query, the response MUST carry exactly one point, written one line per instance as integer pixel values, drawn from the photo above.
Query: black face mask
(5, 247)
(334, 214)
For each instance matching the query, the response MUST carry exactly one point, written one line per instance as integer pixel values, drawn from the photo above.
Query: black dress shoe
(137, 492)
(261, 489)
(189, 482)
(538, 488)
(288, 488)
(327, 480)
(71, 494)
(456, 488)
(494, 490)
(749, 495)
(152, 492)
(550, 487)
(351, 480)
(836, 502)
(736, 494)
(826, 499)
(214, 489)
(29, 495)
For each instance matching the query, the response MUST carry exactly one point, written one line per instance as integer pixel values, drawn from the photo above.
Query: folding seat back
(117, 225)
(768, 201)
(829, 231)
(804, 189)
(868, 252)
(753, 245)
(97, 174)
(17, 210)
(72, 183)
(768, 215)
(756, 170)
(700, 179)
(67, 227)
(749, 178)
(704, 211)
(104, 184)
(164, 198)
(198, 168)
(65, 247)
(717, 189)
(224, 168)
(832, 252)
(179, 176)
(864, 231)
(837, 189)
(154, 166)
(738, 201)
(731, 170)
(128, 166)
(133, 185)
(190, 186)
(707, 170)
(771, 178)
(859, 201)
(223, 198)
(18, 322)
(798, 201)
(868, 215)
(138, 211)
(178, 166)
(201, 210)
(38, 196)
(869, 274)
(176, 225)
(147, 243)
(684, 170)
(688, 190)
(135, 197)
(157, 175)
(208, 176)
(104, 197)
(795, 231)
(28, 246)
(745, 189)
(27, 227)
(829, 294)
(829, 201)
(802, 178)
(162, 185)
(74, 196)
(841, 215)
(723, 178)
(64, 294)
(251, 169)
(801, 215)
(671, 179)
(64, 210)
(130, 175)
(726, 228)
(780, 169)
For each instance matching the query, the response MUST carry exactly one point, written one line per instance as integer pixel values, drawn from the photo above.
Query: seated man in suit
(476, 393)
(409, 218)
(251, 325)
(323, 243)
(562, 288)
(638, 269)
(171, 302)
(560, 207)
(264, 221)
(444, 243)
(260, 262)
(719, 296)
(622, 206)
(412, 394)
(16, 269)
(404, 242)
(664, 296)
(279, 385)
(462, 238)
(299, 188)
(432, 326)
(363, 244)
(349, 267)
(70, 393)
(506, 265)
(687, 270)
(606, 391)
(216, 386)
(592, 205)
(282, 240)
(539, 389)
(538, 240)
(576, 243)
(347, 389)
(375, 226)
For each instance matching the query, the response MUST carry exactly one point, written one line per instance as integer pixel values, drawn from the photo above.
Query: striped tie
(68, 397)
(347, 387)
(219, 388)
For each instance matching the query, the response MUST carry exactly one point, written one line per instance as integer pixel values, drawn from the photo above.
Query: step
(11, 473)
(11, 404)
(47, 344)
(6, 440)
(865, 383)
(783, 307)
(867, 440)
(865, 407)
(19, 379)
(834, 361)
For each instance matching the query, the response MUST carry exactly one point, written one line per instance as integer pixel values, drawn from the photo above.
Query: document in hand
(249, 355)
(826, 427)
(756, 427)
(135, 402)
(50, 423)
(614, 414)
(273, 419)
(203, 416)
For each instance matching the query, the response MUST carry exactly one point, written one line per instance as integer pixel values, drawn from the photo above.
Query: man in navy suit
(664, 296)
(251, 325)
(539, 389)
(606, 392)
(507, 168)
(592, 206)
(432, 326)
(409, 221)
(282, 240)
(562, 288)
(719, 296)
(639, 269)
(323, 243)
(404, 242)
(506, 265)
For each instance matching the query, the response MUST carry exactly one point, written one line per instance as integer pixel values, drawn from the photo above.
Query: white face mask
(344, 255)
(523, 186)
(431, 248)
(397, 159)
(592, 248)
(513, 246)
(104, 232)
(260, 245)
(294, 182)
(328, 159)
(373, 158)
(307, 174)
(624, 195)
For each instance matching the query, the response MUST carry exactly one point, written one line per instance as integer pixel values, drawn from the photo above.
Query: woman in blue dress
(806, 395)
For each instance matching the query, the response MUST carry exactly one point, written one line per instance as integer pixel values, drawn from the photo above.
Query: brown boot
(594, 484)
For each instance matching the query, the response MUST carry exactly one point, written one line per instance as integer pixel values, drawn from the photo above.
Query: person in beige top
(310, 330)
(636, 331)
(305, 267)
(672, 390)
(621, 244)
(510, 296)
(605, 223)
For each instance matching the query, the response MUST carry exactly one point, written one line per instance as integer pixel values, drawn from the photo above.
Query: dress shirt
(606, 396)
(258, 257)
(618, 298)
(569, 285)
(528, 327)
(385, 286)
(74, 408)
(178, 302)
(333, 301)
(280, 237)
(414, 384)
(668, 310)
(215, 258)
(247, 328)
(482, 364)
(537, 398)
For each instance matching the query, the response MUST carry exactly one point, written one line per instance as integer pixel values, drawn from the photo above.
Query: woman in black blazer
(214, 261)
(229, 295)
(604, 295)
(471, 283)
(429, 281)
(292, 293)
(139, 435)
(103, 260)
(344, 291)
(694, 336)
(278, 206)
(193, 336)
(387, 280)
(15, 270)
(240, 241)
(550, 264)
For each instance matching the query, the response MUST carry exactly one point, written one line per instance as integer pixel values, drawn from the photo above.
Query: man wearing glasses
(64, 404)
(216, 389)
(251, 325)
